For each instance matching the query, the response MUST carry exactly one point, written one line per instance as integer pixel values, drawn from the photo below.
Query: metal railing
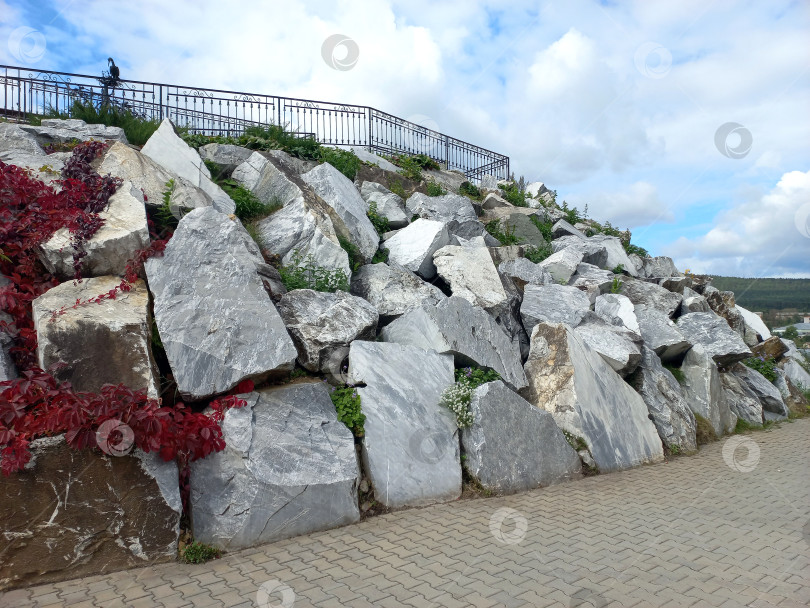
(28, 92)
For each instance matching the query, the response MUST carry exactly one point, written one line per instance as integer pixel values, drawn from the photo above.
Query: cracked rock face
(722, 343)
(323, 323)
(445, 208)
(589, 400)
(105, 343)
(289, 468)
(393, 290)
(410, 447)
(651, 295)
(74, 513)
(413, 246)
(773, 406)
(513, 446)
(553, 304)
(617, 345)
(56, 130)
(741, 399)
(703, 390)
(661, 334)
(468, 332)
(217, 322)
(664, 398)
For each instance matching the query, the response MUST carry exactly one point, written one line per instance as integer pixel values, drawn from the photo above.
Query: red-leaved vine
(36, 404)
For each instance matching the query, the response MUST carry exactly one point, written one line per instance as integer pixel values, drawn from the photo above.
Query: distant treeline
(767, 294)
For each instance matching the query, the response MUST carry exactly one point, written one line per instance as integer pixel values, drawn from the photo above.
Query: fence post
(160, 102)
(368, 120)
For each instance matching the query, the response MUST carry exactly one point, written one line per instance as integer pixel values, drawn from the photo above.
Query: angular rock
(75, 513)
(56, 130)
(506, 254)
(322, 323)
(413, 246)
(374, 159)
(472, 229)
(389, 205)
(773, 406)
(703, 390)
(722, 303)
(393, 291)
(533, 189)
(723, 345)
(338, 191)
(772, 348)
(795, 372)
(289, 467)
(553, 304)
(300, 230)
(269, 180)
(123, 233)
(513, 446)
(15, 141)
(524, 230)
(450, 180)
(217, 323)
(617, 345)
(592, 280)
(492, 201)
(661, 334)
(563, 228)
(755, 329)
(657, 267)
(741, 400)
(523, 272)
(651, 295)
(614, 305)
(693, 302)
(122, 161)
(563, 264)
(468, 332)
(489, 182)
(176, 156)
(226, 156)
(104, 343)
(795, 399)
(445, 208)
(664, 398)
(410, 446)
(592, 253)
(589, 400)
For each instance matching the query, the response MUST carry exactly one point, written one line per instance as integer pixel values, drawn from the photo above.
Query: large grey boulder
(755, 329)
(589, 400)
(389, 205)
(661, 334)
(617, 306)
(268, 180)
(176, 156)
(562, 228)
(393, 290)
(217, 323)
(724, 345)
(289, 467)
(123, 233)
(563, 264)
(47, 169)
(56, 130)
(553, 304)
(153, 180)
(413, 246)
(410, 445)
(724, 304)
(513, 446)
(322, 323)
(592, 280)
(592, 253)
(374, 159)
(472, 230)
(693, 302)
(467, 331)
(664, 398)
(226, 156)
(657, 267)
(617, 345)
(472, 275)
(703, 390)
(616, 255)
(14, 141)
(793, 395)
(445, 208)
(524, 272)
(773, 405)
(104, 343)
(524, 230)
(741, 400)
(338, 191)
(651, 295)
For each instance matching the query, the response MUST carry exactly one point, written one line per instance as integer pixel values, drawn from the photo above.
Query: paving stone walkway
(727, 527)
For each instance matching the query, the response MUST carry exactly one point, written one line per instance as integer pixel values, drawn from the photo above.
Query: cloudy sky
(617, 105)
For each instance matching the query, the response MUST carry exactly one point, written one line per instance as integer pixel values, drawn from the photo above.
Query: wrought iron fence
(215, 112)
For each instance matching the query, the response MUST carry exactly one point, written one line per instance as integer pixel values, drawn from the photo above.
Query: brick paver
(690, 532)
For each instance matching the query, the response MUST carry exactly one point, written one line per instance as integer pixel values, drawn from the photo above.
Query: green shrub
(543, 227)
(379, 221)
(572, 215)
(639, 251)
(304, 273)
(164, 216)
(619, 269)
(469, 190)
(434, 189)
(506, 235)
(512, 193)
(766, 367)
(409, 167)
(381, 256)
(616, 285)
(475, 376)
(538, 254)
(248, 206)
(199, 553)
(347, 404)
(355, 257)
(345, 161)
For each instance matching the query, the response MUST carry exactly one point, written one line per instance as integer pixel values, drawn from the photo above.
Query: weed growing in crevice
(504, 234)
(379, 221)
(348, 406)
(457, 397)
(199, 553)
(304, 273)
(765, 366)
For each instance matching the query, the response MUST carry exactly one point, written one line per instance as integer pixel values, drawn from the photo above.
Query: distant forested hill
(767, 294)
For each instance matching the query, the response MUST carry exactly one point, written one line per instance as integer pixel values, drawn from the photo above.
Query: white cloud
(636, 205)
